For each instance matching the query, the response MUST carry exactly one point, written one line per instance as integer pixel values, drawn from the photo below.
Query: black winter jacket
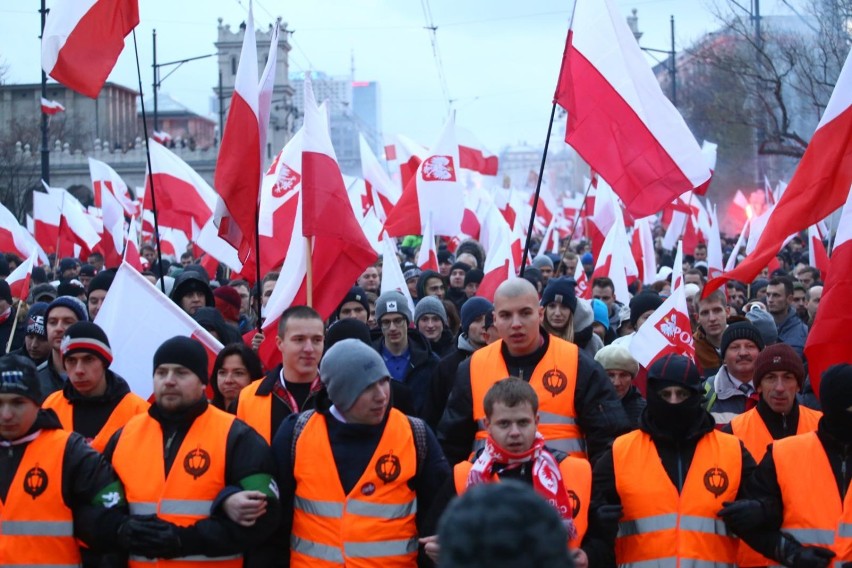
(420, 368)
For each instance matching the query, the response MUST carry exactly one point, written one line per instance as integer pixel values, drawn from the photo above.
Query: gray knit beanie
(430, 305)
(584, 315)
(392, 302)
(541, 261)
(348, 369)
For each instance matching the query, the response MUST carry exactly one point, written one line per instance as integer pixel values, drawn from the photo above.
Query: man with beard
(731, 391)
(657, 495)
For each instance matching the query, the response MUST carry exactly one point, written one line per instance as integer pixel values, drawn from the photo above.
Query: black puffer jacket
(422, 366)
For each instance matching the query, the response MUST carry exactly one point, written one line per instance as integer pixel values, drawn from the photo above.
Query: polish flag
(238, 169)
(46, 220)
(604, 216)
(473, 155)
(73, 220)
(216, 250)
(829, 342)
(405, 156)
(184, 199)
(642, 247)
(427, 256)
(615, 261)
(382, 194)
(82, 40)
(161, 137)
(104, 178)
(619, 120)
(434, 190)
(709, 150)
(113, 231)
(499, 262)
(131, 248)
(132, 298)
(741, 240)
(817, 255)
(584, 290)
(51, 107)
(15, 238)
(173, 242)
(667, 330)
(819, 186)
(392, 277)
(714, 247)
(19, 279)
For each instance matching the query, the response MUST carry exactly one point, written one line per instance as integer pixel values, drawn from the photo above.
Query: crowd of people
(450, 430)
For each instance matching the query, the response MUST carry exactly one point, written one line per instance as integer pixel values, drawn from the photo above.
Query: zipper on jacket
(843, 483)
(679, 468)
(169, 443)
(784, 422)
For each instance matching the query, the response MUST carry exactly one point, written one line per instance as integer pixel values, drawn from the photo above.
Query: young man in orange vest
(516, 450)
(659, 492)
(292, 386)
(356, 475)
(802, 486)
(95, 402)
(185, 465)
(53, 486)
(580, 412)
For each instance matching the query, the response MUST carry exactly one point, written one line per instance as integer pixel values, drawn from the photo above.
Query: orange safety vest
(130, 406)
(813, 512)
(372, 526)
(184, 496)
(36, 526)
(256, 410)
(750, 428)
(663, 528)
(554, 380)
(577, 477)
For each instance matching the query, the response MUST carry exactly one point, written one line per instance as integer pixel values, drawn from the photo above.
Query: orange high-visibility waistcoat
(554, 380)
(372, 526)
(813, 512)
(256, 411)
(36, 526)
(577, 477)
(750, 428)
(130, 406)
(663, 528)
(195, 478)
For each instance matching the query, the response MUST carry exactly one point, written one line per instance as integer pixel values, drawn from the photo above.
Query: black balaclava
(674, 371)
(835, 395)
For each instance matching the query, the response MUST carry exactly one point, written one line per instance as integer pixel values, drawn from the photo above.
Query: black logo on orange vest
(554, 381)
(35, 482)
(368, 488)
(196, 462)
(575, 503)
(388, 467)
(716, 481)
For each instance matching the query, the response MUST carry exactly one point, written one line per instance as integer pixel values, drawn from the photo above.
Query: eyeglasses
(396, 322)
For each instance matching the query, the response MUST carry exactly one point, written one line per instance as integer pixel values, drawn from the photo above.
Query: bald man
(580, 411)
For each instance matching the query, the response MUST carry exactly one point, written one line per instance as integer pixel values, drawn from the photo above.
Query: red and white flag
(667, 330)
(131, 247)
(82, 40)
(46, 220)
(15, 238)
(435, 190)
(829, 342)
(382, 194)
(51, 107)
(473, 155)
(817, 255)
(74, 224)
(238, 169)
(427, 256)
(19, 279)
(583, 289)
(392, 277)
(642, 247)
(611, 262)
(161, 137)
(619, 120)
(104, 178)
(499, 262)
(132, 298)
(819, 186)
(709, 150)
(714, 247)
(741, 241)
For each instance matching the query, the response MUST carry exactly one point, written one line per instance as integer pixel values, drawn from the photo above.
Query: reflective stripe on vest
(196, 477)
(658, 521)
(829, 524)
(36, 526)
(672, 562)
(376, 520)
(554, 379)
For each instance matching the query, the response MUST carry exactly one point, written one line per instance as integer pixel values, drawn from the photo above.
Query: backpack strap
(301, 421)
(418, 428)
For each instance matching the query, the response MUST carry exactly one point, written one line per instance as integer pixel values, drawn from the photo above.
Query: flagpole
(150, 178)
(14, 325)
(58, 235)
(537, 190)
(257, 256)
(309, 273)
(574, 227)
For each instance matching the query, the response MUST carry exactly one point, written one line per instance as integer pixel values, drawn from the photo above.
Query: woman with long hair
(236, 366)
(559, 303)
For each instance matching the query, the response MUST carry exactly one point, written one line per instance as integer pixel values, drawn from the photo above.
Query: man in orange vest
(580, 412)
(802, 486)
(185, 466)
(516, 450)
(95, 402)
(53, 486)
(292, 386)
(356, 475)
(658, 493)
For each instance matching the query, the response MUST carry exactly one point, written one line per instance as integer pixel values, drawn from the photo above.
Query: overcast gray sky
(500, 57)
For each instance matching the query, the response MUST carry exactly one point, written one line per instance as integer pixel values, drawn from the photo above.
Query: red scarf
(546, 476)
(5, 315)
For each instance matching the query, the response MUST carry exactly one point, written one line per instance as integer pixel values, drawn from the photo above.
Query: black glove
(149, 536)
(743, 515)
(606, 517)
(811, 557)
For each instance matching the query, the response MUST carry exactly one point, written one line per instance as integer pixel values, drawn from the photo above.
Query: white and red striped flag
(51, 108)
(499, 262)
(427, 256)
(131, 247)
(74, 223)
(817, 255)
(82, 40)
(382, 194)
(19, 279)
(132, 298)
(15, 238)
(619, 120)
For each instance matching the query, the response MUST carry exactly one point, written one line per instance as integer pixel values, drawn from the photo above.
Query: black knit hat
(460, 266)
(180, 350)
(643, 302)
(70, 302)
(18, 376)
(355, 294)
(349, 328)
(560, 290)
(5, 292)
(35, 320)
(72, 287)
(86, 337)
(473, 276)
(675, 370)
(102, 281)
(741, 330)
